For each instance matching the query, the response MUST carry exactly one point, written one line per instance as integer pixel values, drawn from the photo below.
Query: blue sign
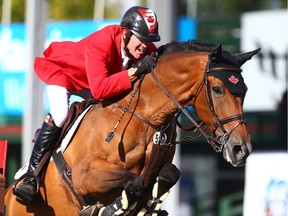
(13, 54)
(13, 57)
(186, 29)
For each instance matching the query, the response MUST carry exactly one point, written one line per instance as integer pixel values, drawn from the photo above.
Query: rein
(181, 108)
(216, 143)
(125, 109)
(137, 115)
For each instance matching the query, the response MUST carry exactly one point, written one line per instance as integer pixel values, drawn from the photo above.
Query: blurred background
(209, 186)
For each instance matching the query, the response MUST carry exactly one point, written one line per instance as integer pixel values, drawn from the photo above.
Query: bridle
(217, 143)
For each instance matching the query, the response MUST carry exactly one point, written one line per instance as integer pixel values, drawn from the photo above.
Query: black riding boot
(47, 138)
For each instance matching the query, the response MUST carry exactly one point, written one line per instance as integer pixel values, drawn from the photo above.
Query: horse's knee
(168, 176)
(134, 186)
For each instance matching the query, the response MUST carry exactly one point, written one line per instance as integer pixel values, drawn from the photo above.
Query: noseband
(216, 143)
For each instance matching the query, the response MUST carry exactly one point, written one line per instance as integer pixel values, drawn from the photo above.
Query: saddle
(75, 111)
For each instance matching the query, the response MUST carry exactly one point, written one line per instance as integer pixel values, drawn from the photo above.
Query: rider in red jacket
(98, 65)
(93, 63)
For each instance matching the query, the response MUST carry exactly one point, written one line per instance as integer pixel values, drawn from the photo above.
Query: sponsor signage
(266, 74)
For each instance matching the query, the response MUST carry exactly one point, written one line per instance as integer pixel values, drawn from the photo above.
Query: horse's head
(220, 106)
(217, 94)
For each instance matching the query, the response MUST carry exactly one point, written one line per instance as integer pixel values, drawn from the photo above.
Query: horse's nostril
(237, 151)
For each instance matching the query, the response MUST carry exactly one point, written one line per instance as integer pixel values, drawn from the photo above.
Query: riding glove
(145, 65)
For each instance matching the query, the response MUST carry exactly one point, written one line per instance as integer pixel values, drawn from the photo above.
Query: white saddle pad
(65, 142)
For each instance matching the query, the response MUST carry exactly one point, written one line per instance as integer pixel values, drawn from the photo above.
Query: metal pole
(6, 12)
(192, 8)
(128, 4)
(166, 11)
(99, 9)
(36, 17)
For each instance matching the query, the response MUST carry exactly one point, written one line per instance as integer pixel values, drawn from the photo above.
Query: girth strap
(66, 173)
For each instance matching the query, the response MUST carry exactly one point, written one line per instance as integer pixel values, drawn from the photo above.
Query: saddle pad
(65, 142)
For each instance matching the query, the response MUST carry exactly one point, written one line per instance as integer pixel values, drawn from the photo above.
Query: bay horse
(120, 158)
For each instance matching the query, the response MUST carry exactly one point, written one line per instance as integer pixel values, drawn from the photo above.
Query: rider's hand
(145, 65)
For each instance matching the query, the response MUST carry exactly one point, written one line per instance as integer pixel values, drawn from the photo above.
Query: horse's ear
(242, 58)
(217, 51)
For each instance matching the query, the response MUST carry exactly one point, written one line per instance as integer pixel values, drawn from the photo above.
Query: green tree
(79, 9)
(228, 8)
(71, 10)
(63, 10)
(17, 10)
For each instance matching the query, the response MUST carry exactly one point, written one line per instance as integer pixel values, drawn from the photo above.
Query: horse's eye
(217, 90)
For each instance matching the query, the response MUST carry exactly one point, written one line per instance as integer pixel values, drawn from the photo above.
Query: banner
(266, 74)
(266, 185)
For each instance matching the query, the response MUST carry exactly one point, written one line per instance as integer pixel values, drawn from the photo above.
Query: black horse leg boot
(48, 136)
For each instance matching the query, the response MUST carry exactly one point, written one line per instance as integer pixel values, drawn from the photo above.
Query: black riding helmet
(142, 22)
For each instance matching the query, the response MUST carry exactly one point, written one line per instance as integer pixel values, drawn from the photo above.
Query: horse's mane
(188, 46)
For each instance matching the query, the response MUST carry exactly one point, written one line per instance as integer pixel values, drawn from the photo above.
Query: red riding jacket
(93, 63)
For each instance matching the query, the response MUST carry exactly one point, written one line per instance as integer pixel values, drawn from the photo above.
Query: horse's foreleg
(122, 205)
(167, 178)
(108, 178)
(100, 177)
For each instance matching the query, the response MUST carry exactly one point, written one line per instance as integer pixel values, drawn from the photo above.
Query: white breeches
(59, 97)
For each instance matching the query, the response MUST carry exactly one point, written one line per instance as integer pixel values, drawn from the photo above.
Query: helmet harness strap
(126, 41)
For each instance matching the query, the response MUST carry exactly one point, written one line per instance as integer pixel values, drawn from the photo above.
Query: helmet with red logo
(142, 22)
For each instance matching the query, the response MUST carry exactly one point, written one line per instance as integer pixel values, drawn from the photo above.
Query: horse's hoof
(163, 213)
(91, 210)
(151, 213)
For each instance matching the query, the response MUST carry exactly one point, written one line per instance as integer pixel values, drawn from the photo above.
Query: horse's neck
(153, 104)
(180, 75)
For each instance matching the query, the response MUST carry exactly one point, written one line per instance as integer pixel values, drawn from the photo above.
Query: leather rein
(217, 143)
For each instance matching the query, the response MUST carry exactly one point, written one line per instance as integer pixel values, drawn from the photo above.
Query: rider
(96, 64)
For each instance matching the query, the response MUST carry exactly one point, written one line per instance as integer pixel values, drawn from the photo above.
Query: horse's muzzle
(236, 153)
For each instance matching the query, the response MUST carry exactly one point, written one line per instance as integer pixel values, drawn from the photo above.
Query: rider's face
(136, 47)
